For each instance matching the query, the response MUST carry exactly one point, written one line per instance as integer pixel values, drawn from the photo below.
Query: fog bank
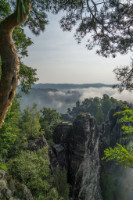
(61, 99)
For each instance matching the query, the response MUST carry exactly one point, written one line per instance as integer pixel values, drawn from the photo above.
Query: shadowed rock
(77, 149)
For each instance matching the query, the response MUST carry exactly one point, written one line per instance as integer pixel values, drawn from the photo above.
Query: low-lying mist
(61, 99)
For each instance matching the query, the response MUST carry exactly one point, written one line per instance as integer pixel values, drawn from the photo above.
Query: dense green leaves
(4, 9)
(32, 168)
(10, 128)
(97, 107)
(27, 77)
(2, 166)
(22, 42)
(123, 154)
(30, 121)
(49, 120)
(99, 116)
(60, 181)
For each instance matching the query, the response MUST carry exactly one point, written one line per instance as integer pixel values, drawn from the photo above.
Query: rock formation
(79, 148)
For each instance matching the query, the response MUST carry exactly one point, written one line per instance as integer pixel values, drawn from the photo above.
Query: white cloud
(98, 92)
(61, 100)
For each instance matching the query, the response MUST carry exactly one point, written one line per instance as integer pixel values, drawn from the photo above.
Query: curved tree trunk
(9, 59)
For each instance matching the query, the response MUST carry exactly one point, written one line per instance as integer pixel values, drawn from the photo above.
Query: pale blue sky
(59, 59)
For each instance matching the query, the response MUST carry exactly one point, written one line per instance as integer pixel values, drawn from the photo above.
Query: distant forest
(97, 107)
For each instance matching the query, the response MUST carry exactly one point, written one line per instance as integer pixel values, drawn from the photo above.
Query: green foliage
(32, 169)
(27, 77)
(10, 129)
(30, 124)
(126, 120)
(2, 166)
(53, 194)
(99, 116)
(37, 17)
(106, 104)
(22, 42)
(49, 120)
(123, 154)
(60, 181)
(97, 107)
(4, 9)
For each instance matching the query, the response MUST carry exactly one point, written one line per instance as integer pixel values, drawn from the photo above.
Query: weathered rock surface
(84, 159)
(77, 149)
(38, 143)
(111, 133)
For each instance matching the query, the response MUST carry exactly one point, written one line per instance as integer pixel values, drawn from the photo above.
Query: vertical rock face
(84, 159)
(59, 153)
(77, 149)
(111, 132)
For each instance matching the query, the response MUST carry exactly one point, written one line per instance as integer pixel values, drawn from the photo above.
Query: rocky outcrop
(37, 143)
(77, 149)
(111, 131)
(84, 159)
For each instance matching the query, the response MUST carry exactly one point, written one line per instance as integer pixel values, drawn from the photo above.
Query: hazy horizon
(60, 99)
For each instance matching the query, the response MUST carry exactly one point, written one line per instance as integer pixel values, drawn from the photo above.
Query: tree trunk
(9, 58)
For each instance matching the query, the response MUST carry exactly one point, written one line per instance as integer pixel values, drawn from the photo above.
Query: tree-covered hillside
(25, 153)
(97, 107)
